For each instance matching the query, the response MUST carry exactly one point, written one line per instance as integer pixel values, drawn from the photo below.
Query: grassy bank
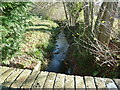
(38, 44)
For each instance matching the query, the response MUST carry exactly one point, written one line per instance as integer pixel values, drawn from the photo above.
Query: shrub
(14, 20)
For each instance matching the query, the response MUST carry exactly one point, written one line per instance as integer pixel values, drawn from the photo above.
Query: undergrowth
(37, 45)
(13, 23)
(82, 59)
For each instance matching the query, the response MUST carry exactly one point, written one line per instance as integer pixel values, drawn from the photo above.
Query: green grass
(38, 43)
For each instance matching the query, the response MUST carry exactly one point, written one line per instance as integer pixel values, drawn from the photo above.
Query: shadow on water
(59, 54)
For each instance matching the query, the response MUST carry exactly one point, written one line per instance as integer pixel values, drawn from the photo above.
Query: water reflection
(59, 53)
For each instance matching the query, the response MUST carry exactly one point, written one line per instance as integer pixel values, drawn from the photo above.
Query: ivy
(14, 21)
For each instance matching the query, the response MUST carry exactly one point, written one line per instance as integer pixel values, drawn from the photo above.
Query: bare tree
(88, 9)
(72, 10)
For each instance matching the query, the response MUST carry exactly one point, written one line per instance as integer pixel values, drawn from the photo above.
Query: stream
(59, 54)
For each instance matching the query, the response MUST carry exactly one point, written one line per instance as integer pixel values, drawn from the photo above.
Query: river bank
(82, 61)
(37, 45)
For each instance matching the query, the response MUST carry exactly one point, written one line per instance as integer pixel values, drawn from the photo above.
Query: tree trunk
(73, 12)
(86, 15)
(106, 19)
(66, 13)
(86, 20)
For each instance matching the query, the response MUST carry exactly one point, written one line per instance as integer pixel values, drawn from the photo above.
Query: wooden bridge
(13, 78)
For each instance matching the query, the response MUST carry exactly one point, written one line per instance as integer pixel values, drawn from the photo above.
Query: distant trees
(72, 10)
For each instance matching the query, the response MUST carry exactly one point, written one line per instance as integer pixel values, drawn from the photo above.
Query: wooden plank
(6, 74)
(59, 82)
(90, 83)
(30, 80)
(69, 82)
(110, 84)
(100, 83)
(39, 82)
(12, 77)
(23, 76)
(117, 81)
(50, 81)
(38, 66)
(79, 82)
(3, 69)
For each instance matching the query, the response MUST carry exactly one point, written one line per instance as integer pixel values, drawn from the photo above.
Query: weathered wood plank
(30, 80)
(110, 84)
(50, 81)
(117, 81)
(17, 78)
(90, 84)
(69, 82)
(12, 77)
(59, 82)
(39, 82)
(3, 69)
(19, 81)
(79, 82)
(6, 74)
(38, 66)
(100, 83)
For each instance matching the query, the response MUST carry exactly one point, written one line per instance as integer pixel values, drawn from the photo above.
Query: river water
(59, 53)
